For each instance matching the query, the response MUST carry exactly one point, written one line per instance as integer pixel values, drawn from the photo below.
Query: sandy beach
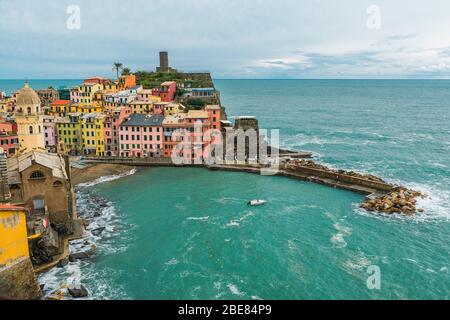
(95, 171)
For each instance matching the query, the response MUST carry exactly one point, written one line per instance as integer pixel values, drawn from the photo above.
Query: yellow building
(173, 108)
(85, 109)
(144, 107)
(93, 128)
(86, 93)
(60, 108)
(110, 86)
(30, 120)
(13, 234)
(69, 133)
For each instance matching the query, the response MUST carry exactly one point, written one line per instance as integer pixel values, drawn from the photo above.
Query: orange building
(126, 82)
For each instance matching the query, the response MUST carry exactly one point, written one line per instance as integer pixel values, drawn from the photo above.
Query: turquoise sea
(188, 234)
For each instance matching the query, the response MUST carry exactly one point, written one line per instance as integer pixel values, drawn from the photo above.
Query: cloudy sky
(231, 38)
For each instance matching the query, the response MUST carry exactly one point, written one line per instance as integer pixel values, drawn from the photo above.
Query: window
(31, 129)
(37, 175)
(57, 184)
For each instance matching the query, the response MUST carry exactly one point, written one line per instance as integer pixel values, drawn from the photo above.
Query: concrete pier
(335, 180)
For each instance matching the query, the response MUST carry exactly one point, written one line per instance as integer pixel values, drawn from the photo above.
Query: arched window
(39, 129)
(31, 129)
(29, 110)
(57, 184)
(37, 175)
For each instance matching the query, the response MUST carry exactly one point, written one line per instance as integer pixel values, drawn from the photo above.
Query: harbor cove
(187, 233)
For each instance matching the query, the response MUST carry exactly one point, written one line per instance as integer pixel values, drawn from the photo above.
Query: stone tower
(30, 120)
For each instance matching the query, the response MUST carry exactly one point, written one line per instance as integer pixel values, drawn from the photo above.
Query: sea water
(188, 233)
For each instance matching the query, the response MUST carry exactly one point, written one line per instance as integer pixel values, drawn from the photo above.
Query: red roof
(60, 102)
(9, 207)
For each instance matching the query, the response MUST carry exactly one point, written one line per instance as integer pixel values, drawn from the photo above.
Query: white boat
(257, 202)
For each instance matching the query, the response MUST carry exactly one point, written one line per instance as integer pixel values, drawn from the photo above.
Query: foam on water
(107, 179)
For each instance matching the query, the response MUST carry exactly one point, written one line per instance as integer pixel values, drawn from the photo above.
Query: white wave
(172, 262)
(235, 290)
(198, 218)
(107, 179)
(100, 214)
(338, 239)
(358, 262)
(233, 223)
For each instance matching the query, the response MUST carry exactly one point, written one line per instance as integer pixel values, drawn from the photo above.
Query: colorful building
(141, 136)
(214, 112)
(147, 95)
(126, 82)
(50, 133)
(144, 107)
(69, 134)
(13, 234)
(168, 90)
(171, 124)
(93, 133)
(9, 140)
(59, 108)
(75, 95)
(112, 123)
(47, 96)
(87, 91)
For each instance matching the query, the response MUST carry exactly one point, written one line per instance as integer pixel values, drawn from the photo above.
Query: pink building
(188, 129)
(75, 95)
(50, 133)
(112, 123)
(9, 141)
(167, 91)
(141, 136)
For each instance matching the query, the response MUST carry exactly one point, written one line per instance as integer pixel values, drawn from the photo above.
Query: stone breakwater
(388, 198)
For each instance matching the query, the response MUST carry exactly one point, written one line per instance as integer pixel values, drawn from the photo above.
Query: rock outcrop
(399, 200)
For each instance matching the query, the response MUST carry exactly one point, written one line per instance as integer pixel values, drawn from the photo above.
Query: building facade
(141, 136)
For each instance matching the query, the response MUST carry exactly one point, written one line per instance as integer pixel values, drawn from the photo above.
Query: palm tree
(117, 67)
(126, 71)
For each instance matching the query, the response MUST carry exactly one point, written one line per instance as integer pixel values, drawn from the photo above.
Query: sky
(233, 39)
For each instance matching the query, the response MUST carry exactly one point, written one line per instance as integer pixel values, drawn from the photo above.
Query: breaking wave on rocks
(104, 225)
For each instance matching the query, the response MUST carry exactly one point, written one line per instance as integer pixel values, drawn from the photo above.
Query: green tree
(117, 67)
(126, 71)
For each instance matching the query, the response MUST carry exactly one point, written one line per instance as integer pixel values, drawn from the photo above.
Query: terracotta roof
(60, 102)
(9, 207)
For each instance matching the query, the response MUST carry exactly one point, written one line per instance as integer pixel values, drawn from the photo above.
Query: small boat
(257, 202)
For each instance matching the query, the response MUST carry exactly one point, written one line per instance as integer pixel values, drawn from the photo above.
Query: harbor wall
(336, 180)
